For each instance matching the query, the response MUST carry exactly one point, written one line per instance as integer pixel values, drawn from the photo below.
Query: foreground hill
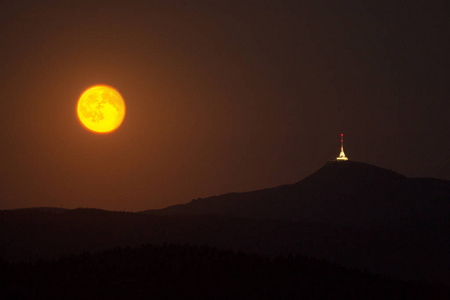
(187, 272)
(340, 193)
(419, 252)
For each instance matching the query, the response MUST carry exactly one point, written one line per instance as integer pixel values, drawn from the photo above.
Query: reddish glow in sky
(220, 97)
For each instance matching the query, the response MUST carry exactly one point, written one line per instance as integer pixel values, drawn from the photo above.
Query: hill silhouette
(340, 193)
(354, 214)
(198, 272)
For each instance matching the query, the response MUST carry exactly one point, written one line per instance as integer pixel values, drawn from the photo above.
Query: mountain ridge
(350, 213)
(340, 193)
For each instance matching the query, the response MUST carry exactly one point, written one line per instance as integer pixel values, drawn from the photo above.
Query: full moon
(101, 109)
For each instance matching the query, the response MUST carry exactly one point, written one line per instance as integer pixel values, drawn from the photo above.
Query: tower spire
(342, 154)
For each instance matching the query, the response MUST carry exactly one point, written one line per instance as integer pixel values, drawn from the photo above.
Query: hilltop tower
(342, 154)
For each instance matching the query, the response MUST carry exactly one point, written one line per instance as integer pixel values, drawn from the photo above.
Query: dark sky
(222, 96)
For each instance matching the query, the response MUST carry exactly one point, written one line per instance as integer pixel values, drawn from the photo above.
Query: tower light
(342, 156)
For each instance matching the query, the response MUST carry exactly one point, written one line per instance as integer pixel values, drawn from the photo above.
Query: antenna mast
(342, 154)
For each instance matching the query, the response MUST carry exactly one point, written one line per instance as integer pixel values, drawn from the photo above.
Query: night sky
(222, 96)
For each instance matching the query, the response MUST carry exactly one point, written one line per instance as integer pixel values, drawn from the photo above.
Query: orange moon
(101, 109)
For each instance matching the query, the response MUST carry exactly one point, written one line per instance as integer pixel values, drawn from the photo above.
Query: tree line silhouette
(172, 271)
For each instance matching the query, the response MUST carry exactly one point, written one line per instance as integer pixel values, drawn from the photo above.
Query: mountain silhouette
(351, 213)
(340, 193)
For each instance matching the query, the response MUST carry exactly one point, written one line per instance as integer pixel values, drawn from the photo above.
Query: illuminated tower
(342, 154)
